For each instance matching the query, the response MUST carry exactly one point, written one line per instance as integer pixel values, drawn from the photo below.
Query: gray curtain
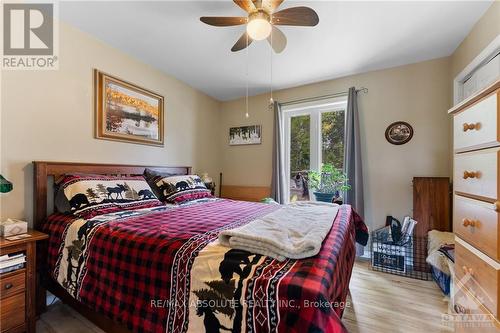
(352, 154)
(278, 177)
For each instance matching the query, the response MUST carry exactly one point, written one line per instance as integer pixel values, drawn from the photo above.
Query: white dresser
(476, 211)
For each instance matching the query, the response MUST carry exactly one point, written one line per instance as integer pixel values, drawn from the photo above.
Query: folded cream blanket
(294, 231)
(436, 258)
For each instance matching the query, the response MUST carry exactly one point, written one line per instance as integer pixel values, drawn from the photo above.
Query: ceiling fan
(262, 20)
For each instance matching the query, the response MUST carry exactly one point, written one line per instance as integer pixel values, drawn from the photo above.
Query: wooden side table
(18, 288)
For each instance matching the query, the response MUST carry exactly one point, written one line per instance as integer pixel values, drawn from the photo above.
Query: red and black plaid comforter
(123, 267)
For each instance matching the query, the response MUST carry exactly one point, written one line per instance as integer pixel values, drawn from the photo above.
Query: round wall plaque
(399, 133)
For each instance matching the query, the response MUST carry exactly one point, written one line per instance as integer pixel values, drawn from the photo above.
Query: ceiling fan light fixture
(259, 27)
(263, 21)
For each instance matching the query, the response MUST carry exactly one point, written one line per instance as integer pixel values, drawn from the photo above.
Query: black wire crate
(405, 257)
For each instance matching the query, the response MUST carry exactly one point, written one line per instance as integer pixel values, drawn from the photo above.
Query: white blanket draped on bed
(294, 231)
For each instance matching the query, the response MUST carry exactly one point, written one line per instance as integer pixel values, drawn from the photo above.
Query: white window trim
(478, 61)
(315, 111)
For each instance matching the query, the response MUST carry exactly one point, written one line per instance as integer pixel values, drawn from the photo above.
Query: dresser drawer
(477, 173)
(477, 223)
(12, 311)
(12, 283)
(478, 276)
(477, 126)
(470, 316)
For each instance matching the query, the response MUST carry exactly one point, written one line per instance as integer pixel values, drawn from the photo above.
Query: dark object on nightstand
(18, 287)
(211, 186)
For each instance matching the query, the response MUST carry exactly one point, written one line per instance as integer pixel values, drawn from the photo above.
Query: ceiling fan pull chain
(271, 100)
(246, 100)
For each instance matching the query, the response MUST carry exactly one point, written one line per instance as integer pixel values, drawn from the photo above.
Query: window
(479, 73)
(314, 134)
(481, 77)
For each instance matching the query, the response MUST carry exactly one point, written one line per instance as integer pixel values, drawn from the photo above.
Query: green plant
(329, 180)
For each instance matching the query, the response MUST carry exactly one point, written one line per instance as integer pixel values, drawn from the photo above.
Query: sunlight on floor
(387, 303)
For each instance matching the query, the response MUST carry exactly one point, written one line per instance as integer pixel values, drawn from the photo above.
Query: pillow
(60, 200)
(152, 177)
(182, 188)
(92, 195)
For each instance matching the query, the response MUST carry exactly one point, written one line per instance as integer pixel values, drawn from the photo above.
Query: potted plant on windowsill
(327, 183)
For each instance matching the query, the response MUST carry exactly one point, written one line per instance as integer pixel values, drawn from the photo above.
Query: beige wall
(417, 93)
(48, 115)
(483, 32)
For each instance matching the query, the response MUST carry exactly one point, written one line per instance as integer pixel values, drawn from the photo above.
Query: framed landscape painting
(245, 135)
(126, 112)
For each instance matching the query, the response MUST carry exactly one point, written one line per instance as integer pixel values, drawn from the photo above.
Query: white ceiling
(352, 37)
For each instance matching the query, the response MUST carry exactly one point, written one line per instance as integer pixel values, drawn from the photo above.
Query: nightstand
(18, 288)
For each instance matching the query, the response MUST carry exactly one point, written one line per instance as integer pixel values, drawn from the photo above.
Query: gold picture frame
(126, 112)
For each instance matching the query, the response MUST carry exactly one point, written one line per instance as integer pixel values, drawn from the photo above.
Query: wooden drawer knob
(472, 174)
(460, 309)
(8, 286)
(469, 223)
(471, 127)
(497, 206)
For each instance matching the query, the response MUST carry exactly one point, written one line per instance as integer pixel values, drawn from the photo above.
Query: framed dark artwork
(399, 133)
(126, 112)
(245, 135)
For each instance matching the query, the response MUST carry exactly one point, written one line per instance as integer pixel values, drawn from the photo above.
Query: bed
(161, 269)
(441, 258)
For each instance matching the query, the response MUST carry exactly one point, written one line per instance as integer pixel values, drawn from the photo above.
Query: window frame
(315, 110)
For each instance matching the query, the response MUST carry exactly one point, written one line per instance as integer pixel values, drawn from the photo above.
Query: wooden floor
(60, 318)
(380, 302)
(384, 302)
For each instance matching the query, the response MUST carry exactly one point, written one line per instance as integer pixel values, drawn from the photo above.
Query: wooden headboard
(43, 171)
(245, 193)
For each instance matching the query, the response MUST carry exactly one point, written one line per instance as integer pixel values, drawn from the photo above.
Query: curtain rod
(319, 98)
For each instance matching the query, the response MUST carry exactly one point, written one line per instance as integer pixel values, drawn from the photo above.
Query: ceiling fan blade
(301, 16)
(242, 42)
(246, 5)
(277, 40)
(271, 5)
(223, 21)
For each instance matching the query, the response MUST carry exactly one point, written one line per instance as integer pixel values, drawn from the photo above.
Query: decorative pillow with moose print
(179, 189)
(91, 195)
(153, 177)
